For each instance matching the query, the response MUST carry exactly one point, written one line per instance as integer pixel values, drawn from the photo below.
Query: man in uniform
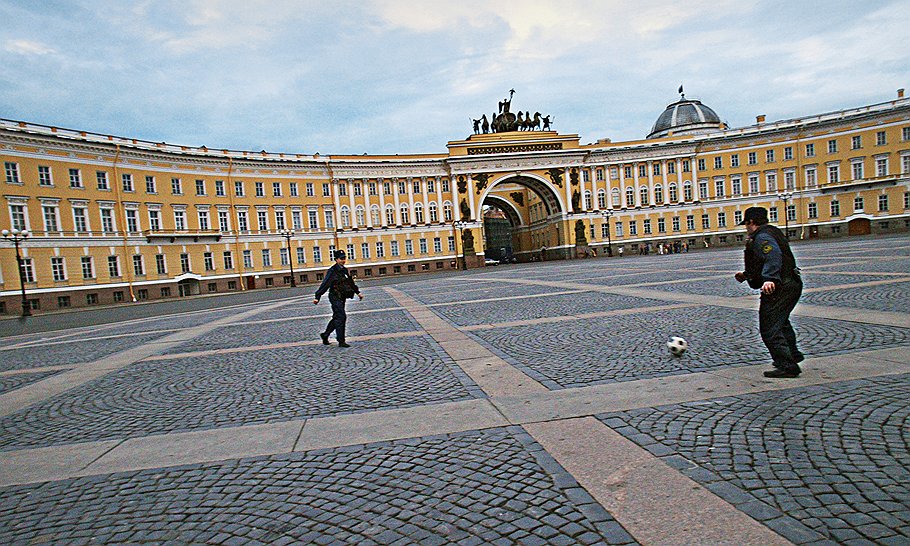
(341, 287)
(771, 267)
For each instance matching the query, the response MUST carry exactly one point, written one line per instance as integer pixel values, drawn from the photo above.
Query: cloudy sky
(406, 76)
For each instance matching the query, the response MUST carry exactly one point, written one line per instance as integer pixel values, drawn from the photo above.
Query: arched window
(643, 194)
(390, 215)
(447, 211)
(345, 217)
(587, 200)
(405, 214)
(630, 196)
(615, 196)
(658, 194)
(674, 194)
(434, 212)
(418, 213)
(687, 191)
(375, 217)
(360, 215)
(601, 199)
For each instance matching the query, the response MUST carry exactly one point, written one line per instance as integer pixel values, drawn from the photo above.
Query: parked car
(490, 261)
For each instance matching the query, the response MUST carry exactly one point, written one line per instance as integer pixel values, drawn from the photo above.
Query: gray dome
(686, 117)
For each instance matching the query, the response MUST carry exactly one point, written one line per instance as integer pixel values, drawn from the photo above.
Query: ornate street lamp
(287, 234)
(17, 237)
(785, 197)
(461, 225)
(607, 214)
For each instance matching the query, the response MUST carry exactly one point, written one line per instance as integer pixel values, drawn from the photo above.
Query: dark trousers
(339, 318)
(774, 323)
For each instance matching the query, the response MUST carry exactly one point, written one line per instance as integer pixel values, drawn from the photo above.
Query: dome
(686, 117)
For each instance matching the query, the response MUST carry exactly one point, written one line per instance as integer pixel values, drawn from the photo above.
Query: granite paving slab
(12, 382)
(886, 297)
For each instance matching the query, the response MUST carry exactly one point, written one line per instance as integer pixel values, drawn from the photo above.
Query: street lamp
(785, 196)
(607, 214)
(287, 234)
(17, 236)
(461, 225)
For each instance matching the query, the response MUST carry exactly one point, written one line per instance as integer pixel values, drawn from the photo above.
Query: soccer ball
(677, 346)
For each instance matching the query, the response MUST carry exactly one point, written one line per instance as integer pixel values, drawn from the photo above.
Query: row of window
(87, 263)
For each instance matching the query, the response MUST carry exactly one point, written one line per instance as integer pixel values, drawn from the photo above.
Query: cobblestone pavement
(525, 404)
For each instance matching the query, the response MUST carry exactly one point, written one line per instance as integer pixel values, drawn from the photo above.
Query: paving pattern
(432, 428)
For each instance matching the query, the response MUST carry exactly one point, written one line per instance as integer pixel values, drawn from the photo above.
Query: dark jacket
(768, 257)
(333, 277)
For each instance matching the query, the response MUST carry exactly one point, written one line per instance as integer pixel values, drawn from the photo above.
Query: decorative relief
(573, 176)
(465, 210)
(518, 197)
(462, 184)
(482, 180)
(482, 150)
(556, 176)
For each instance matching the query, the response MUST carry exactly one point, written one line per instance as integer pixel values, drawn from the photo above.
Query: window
(266, 257)
(150, 185)
(132, 220)
(329, 217)
(418, 213)
(813, 210)
(184, 263)
(107, 220)
(283, 256)
(675, 223)
(658, 194)
(63, 301)
(345, 217)
(789, 180)
(753, 182)
(326, 190)
(50, 218)
(75, 178)
(12, 172)
(423, 246)
(656, 169)
(224, 223)
(92, 299)
(445, 185)
(101, 178)
(601, 199)
(365, 250)
(832, 146)
(753, 158)
(260, 189)
(293, 189)
(380, 249)
(371, 187)
(734, 160)
(905, 164)
(160, 264)
(705, 221)
(138, 265)
(176, 186)
(642, 171)
(630, 197)
(408, 247)
(587, 199)
(674, 193)
(310, 191)
(243, 221)
(200, 187)
(619, 229)
(791, 212)
(394, 248)
(772, 215)
(301, 255)
(44, 176)
(703, 189)
(180, 220)
(80, 219)
(447, 211)
(857, 167)
(451, 241)
(905, 134)
(296, 221)
(833, 173)
(811, 180)
(434, 212)
(113, 266)
(627, 172)
(738, 216)
(883, 203)
(262, 219)
(402, 188)
(881, 166)
(208, 261)
(856, 142)
(719, 187)
(248, 259)
(203, 216)
(690, 222)
(643, 195)
(599, 174)
(858, 204)
(718, 162)
(279, 219)
(219, 188)
(154, 220)
(671, 168)
(390, 215)
(788, 153)
(405, 215)
(238, 189)
(276, 189)
(835, 208)
(127, 181)
(646, 226)
(769, 156)
(880, 139)
(58, 269)
(312, 219)
(687, 166)
(721, 219)
(633, 227)
(687, 191)
(810, 150)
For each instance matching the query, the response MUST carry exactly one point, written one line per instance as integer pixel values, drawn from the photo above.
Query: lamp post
(607, 214)
(461, 225)
(785, 196)
(17, 236)
(287, 234)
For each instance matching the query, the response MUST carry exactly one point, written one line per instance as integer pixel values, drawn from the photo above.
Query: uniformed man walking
(771, 267)
(341, 287)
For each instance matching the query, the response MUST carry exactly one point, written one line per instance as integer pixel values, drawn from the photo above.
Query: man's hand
(315, 301)
(741, 276)
(361, 295)
(768, 287)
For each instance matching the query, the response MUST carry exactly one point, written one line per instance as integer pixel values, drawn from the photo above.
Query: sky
(407, 76)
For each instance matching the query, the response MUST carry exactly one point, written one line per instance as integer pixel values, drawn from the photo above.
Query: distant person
(771, 267)
(341, 287)
(621, 251)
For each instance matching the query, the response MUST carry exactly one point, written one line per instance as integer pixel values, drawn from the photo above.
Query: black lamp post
(785, 196)
(287, 234)
(17, 237)
(461, 225)
(607, 214)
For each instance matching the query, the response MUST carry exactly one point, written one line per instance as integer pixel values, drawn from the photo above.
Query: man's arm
(772, 262)
(326, 284)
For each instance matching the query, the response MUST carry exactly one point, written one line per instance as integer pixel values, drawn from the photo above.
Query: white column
(337, 200)
(651, 182)
(411, 200)
(470, 198)
(439, 198)
(382, 220)
(366, 201)
(397, 202)
(695, 196)
(678, 178)
(636, 197)
(622, 186)
(568, 185)
(426, 200)
(353, 204)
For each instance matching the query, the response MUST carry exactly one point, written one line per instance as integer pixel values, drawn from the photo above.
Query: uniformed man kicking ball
(771, 267)
(341, 287)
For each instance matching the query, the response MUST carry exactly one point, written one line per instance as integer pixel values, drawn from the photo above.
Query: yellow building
(118, 219)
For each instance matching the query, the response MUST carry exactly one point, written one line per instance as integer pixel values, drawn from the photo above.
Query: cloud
(27, 47)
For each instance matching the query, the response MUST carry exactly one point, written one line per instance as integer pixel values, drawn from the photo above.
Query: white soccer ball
(677, 346)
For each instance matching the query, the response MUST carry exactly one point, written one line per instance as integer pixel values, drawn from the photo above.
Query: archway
(528, 217)
(859, 226)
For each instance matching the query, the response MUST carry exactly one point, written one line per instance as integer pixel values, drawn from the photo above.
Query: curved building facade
(117, 219)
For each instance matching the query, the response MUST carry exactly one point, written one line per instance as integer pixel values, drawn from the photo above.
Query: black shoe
(343, 344)
(778, 373)
(325, 338)
(799, 357)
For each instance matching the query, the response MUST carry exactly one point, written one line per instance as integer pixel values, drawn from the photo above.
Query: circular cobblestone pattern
(833, 457)
(70, 352)
(893, 297)
(629, 347)
(12, 382)
(489, 487)
(241, 389)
